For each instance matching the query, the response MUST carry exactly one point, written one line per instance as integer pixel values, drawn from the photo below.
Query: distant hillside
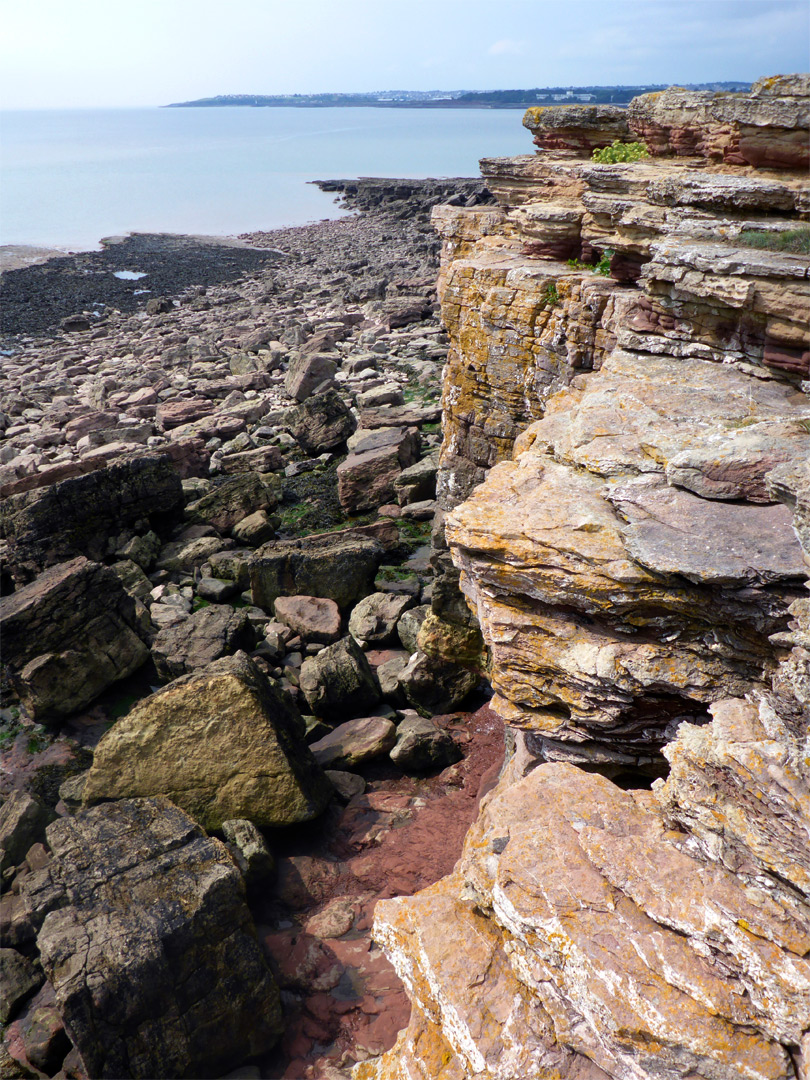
(450, 99)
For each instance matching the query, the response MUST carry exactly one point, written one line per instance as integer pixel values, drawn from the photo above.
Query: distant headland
(451, 99)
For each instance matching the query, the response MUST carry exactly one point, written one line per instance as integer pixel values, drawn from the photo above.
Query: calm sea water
(71, 177)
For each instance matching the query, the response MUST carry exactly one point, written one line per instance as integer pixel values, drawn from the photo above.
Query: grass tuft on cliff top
(792, 241)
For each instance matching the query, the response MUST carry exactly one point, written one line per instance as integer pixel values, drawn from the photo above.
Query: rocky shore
(407, 662)
(218, 476)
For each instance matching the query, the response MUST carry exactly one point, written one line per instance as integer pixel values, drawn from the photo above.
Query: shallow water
(70, 177)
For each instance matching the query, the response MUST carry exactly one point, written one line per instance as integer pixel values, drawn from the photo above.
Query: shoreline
(39, 297)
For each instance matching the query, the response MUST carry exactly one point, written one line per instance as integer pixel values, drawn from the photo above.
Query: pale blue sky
(84, 53)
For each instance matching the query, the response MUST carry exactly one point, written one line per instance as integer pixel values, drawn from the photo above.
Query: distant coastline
(451, 99)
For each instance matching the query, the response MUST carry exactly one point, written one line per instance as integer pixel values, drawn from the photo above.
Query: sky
(130, 53)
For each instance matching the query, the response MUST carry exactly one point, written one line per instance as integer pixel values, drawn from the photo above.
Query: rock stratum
(625, 490)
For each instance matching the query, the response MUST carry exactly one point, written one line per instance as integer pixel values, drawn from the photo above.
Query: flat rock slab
(69, 635)
(354, 742)
(675, 532)
(313, 617)
(224, 743)
(150, 947)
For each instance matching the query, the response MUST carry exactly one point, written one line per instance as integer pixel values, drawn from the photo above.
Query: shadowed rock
(147, 940)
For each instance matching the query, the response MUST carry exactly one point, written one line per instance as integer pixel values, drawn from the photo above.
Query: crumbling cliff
(626, 496)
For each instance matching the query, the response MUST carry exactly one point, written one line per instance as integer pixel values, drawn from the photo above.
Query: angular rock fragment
(233, 500)
(421, 745)
(146, 938)
(338, 681)
(307, 372)
(22, 823)
(322, 422)
(205, 636)
(224, 743)
(366, 478)
(69, 635)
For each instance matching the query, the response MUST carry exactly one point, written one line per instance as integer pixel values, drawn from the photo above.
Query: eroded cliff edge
(637, 559)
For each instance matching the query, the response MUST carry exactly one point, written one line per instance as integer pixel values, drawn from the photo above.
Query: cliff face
(626, 491)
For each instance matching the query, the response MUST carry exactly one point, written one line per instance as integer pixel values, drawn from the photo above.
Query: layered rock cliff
(626, 494)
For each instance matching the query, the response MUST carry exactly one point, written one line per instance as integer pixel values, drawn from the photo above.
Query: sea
(70, 177)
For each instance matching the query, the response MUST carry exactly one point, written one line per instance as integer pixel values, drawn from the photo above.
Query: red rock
(313, 617)
(172, 414)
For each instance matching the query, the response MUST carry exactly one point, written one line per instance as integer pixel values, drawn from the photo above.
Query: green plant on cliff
(550, 294)
(603, 266)
(792, 241)
(619, 152)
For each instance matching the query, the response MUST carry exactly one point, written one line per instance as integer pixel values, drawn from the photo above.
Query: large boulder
(78, 515)
(321, 423)
(433, 686)
(69, 635)
(149, 945)
(339, 569)
(338, 682)
(223, 743)
(200, 639)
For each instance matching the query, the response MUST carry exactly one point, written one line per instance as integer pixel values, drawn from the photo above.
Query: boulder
(355, 742)
(69, 635)
(78, 515)
(22, 823)
(338, 682)
(150, 947)
(222, 743)
(374, 620)
(313, 617)
(410, 624)
(260, 459)
(417, 482)
(366, 478)
(328, 566)
(172, 414)
(203, 637)
(216, 590)
(254, 530)
(322, 422)
(234, 499)
(44, 1039)
(421, 746)
(307, 372)
(434, 686)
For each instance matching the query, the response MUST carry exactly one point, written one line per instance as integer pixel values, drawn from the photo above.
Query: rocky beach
(406, 639)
